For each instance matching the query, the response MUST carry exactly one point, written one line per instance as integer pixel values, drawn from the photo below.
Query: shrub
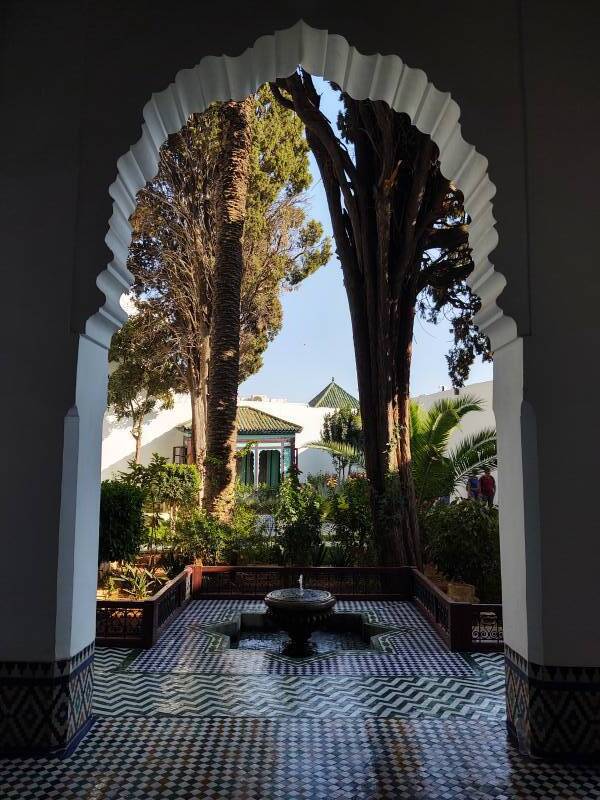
(263, 498)
(137, 582)
(200, 536)
(174, 486)
(248, 541)
(462, 540)
(298, 520)
(349, 511)
(121, 521)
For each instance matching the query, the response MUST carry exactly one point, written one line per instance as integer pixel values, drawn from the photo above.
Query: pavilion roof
(253, 421)
(333, 396)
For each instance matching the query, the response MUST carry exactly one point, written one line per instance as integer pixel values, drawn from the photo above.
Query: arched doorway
(378, 77)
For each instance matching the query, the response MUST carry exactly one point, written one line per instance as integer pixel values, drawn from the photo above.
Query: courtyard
(190, 719)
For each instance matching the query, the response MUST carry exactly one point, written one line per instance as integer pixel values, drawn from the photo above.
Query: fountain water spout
(300, 584)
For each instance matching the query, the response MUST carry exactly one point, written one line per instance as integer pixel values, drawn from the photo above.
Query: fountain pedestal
(299, 612)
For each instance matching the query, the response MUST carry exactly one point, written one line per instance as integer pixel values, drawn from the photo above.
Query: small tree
(173, 485)
(298, 520)
(142, 379)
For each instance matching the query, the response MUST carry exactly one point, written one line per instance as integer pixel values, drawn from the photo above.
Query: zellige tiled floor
(190, 720)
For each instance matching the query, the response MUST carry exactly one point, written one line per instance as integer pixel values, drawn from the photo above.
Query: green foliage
(438, 471)
(142, 379)
(349, 511)
(137, 582)
(121, 521)
(343, 427)
(175, 486)
(298, 520)
(200, 537)
(263, 498)
(462, 540)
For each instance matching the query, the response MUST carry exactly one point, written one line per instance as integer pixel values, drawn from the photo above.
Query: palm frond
(353, 455)
(473, 453)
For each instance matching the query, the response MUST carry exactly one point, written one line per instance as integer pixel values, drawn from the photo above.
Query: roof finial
(333, 380)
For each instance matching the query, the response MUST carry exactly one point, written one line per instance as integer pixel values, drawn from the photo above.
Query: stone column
(549, 548)
(48, 595)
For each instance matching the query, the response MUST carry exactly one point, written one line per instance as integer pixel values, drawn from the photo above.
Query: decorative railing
(141, 623)
(487, 631)
(344, 582)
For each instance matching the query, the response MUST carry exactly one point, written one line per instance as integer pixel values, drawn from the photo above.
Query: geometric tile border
(45, 707)
(553, 712)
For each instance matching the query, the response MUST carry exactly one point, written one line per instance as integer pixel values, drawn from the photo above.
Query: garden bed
(141, 623)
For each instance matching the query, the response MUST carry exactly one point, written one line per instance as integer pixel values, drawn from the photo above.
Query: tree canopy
(142, 378)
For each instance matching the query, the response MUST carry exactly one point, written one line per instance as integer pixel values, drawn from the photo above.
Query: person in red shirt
(487, 487)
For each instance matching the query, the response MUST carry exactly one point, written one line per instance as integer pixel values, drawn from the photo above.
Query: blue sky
(315, 343)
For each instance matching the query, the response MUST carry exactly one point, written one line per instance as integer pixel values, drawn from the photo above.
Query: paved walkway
(188, 719)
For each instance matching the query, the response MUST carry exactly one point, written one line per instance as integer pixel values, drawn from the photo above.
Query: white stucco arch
(330, 56)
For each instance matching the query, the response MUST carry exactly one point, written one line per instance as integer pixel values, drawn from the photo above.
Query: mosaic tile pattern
(45, 705)
(235, 759)
(553, 711)
(185, 722)
(414, 650)
(124, 694)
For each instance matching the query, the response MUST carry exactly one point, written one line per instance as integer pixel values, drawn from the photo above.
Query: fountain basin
(299, 612)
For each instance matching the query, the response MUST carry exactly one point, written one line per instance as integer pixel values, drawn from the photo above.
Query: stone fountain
(299, 612)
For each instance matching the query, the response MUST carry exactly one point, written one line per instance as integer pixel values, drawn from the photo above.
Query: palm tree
(224, 370)
(437, 471)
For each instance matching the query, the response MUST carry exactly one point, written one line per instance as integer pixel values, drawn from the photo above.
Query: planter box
(141, 623)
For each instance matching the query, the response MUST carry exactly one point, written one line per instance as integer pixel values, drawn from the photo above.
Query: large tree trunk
(224, 370)
(383, 204)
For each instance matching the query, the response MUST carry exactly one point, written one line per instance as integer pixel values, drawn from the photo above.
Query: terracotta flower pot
(463, 592)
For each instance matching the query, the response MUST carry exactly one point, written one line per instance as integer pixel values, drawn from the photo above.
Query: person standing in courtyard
(473, 486)
(487, 487)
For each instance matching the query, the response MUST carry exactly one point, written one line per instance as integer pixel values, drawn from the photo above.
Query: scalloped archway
(407, 90)
(330, 56)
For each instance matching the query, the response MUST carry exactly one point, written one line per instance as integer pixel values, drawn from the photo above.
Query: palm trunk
(197, 378)
(224, 371)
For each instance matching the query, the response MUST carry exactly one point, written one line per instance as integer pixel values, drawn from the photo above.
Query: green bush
(174, 487)
(247, 540)
(349, 511)
(199, 536)
(462, 540)
(263, 498)
(121, 521)
(298, 521)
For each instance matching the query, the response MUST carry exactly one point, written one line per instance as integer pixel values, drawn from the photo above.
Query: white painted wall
(160, 432)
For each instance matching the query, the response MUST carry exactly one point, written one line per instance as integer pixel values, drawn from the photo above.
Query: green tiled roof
(333, 396)
(252, 420)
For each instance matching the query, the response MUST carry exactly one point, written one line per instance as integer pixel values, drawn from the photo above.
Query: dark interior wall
(40, 100)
